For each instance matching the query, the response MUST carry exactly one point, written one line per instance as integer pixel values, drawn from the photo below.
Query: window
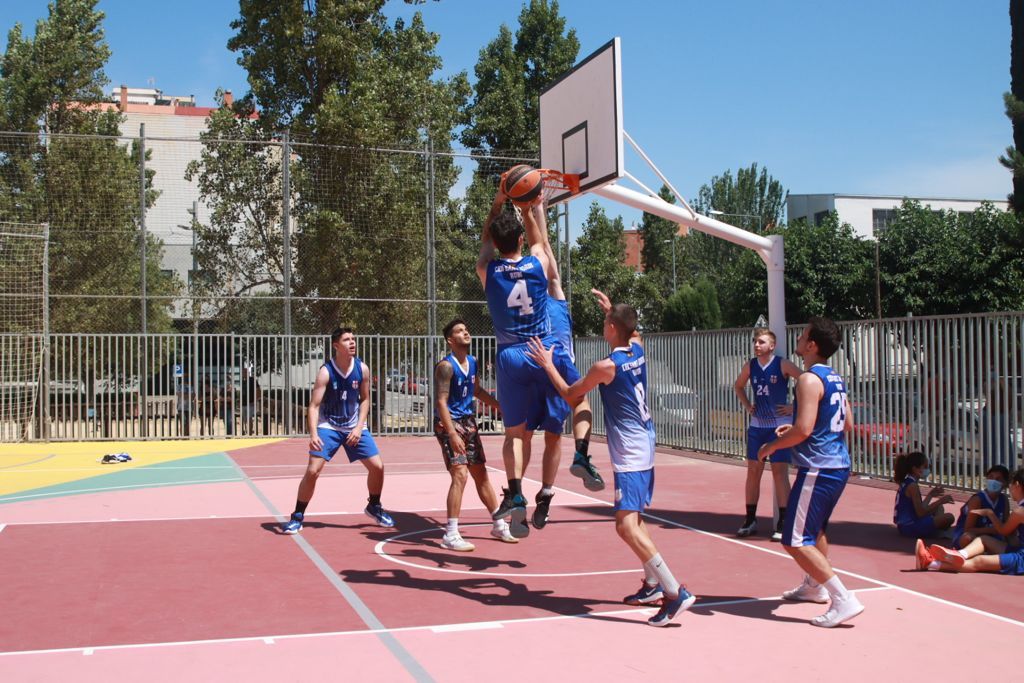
(820, 217)
(881, 219)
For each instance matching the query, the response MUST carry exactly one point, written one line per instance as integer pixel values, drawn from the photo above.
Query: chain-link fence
(212, 235)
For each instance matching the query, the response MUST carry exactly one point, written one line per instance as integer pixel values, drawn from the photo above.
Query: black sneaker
(582, 468)
(540, 513)
(748, 529)
(505, 509)
(513, 508)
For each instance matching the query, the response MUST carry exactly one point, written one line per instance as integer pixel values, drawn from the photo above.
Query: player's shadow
(741, 606)
(404, 522)
(490, 591)
(448, 560)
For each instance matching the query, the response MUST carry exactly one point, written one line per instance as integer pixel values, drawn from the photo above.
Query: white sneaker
(840, 611)
(503, 534)
(805, 592)
(457, 542)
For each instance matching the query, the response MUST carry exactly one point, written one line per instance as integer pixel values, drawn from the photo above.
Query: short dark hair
(999, 469)
(825, 333)
(623, 316)
(1018, 477)
(338, 331)
(505, 232)
(450, 327)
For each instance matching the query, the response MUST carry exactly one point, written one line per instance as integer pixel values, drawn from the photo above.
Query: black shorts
(467, 429)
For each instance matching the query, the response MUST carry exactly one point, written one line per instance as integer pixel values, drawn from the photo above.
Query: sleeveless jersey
(826, 448)
(627, 421)
(998, 507)
(517, 298)
(460, 388)
(771, 389)
(339, 408)
(561, 324)
(903, 511)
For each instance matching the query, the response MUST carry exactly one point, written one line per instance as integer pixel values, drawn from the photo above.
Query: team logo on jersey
(355, 384)
(334, 385)
(773, 379)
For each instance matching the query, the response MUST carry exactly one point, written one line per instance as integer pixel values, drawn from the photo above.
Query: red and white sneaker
(947, 556)
(922, 556)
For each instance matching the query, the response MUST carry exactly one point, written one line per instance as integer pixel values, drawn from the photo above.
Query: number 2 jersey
(517, 297)
(627, 421)
(826, 447)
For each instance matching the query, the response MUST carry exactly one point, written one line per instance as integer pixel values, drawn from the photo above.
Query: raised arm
(606, 305)
(536, 226)
(486, 244)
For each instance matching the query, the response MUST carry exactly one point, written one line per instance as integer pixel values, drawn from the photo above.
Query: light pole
(673, 241)
(716, 212)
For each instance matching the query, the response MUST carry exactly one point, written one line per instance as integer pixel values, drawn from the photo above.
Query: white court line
(61, 494)
(777, 553)
(2, 527)
(436, 628)
(138, 463)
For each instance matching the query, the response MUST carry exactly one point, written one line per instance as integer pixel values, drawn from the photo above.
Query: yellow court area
(27, 466)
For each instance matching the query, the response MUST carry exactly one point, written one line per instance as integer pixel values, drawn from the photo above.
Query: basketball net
(553, 182)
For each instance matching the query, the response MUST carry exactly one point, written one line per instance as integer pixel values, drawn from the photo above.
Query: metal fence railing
(951, 386)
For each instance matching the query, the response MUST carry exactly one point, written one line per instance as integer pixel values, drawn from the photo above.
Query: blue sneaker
(379, 515)
(582, 468)
(670, 608)
(293, 525)
(647, 595)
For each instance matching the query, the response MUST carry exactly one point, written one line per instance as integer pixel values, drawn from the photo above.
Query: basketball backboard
(581, 121)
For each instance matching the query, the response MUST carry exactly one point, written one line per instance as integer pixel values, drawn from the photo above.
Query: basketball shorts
(467, 430)
(759, 436)
(811, 501)
(922, 527)
(1012, 563)
(333, 440)
(634, 490)
(525, 393)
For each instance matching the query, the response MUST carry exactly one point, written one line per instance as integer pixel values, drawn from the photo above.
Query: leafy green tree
(658, 235)
(693, 307)
(87, 189)
(1013, 102)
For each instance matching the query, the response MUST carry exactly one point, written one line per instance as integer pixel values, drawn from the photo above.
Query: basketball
(522, 184)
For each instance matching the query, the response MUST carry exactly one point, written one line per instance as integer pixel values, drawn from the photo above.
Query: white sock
(836, 589)
(500, 524)
(453, 526)
(650, 578)
(547, 490)
(664, 575)
(934, 566)
(811, 582)
(962, 554)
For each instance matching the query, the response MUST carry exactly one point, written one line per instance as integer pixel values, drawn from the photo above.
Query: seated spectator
(914, 517)
(986, 553)
(968, 526)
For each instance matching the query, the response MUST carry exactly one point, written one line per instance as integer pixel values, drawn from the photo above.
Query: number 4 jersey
(826, 447)
(627, 421)
(517, 297)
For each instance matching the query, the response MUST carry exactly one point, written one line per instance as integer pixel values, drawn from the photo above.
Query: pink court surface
(171, 567)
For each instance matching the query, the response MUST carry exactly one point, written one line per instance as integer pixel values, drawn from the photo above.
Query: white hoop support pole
(769, 248)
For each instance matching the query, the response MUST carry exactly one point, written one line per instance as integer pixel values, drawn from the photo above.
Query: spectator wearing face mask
(969, 526)
(916, 517)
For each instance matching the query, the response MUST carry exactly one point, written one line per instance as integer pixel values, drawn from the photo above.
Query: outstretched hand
(602, 300)
(544, 357)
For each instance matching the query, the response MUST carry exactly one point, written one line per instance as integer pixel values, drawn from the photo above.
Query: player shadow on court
(743, 606)
(447, 560)
(404, 522)
(493, 592)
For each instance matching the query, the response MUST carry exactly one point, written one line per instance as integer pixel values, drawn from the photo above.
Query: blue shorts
(633, 490)
(1012, 563)
(525, 393)
(814, 496)
(922, 527)
(333, 440)
(759, 436)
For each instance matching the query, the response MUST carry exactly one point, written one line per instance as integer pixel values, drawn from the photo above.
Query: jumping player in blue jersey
(987, 553)
(582, 417)
(516, 288)
(622, 381)
(456, 390)
(818, 439)
(338, 408)
(769, 377)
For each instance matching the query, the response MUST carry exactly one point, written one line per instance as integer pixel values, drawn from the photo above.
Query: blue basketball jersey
(771, 389)
(627, 421)
(998, 507)
(339, 408)
(903, 511)
(826, 448)
(460, 387)
(517, 297)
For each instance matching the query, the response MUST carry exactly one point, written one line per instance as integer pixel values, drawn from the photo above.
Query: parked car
(871, 435)
(674, 407)
(415, 385)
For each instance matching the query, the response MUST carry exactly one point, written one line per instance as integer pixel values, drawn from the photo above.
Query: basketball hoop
(556, 182)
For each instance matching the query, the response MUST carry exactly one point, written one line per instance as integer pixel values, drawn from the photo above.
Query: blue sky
(867, 97)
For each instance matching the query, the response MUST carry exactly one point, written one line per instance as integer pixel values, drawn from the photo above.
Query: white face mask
(993, 486)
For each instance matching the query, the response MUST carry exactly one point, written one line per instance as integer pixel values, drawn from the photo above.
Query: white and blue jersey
(771, 389)
(339, 408)
(627, 420)
(517, 298)
(561, 325)
(998, 506)
(460, 387)
(825, 448)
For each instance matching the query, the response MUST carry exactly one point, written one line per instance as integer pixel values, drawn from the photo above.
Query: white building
(868, 214)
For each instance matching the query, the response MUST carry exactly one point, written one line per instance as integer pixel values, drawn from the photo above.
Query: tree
(693, 307)
(87, 189)
(1013, 102)
(658, 235)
